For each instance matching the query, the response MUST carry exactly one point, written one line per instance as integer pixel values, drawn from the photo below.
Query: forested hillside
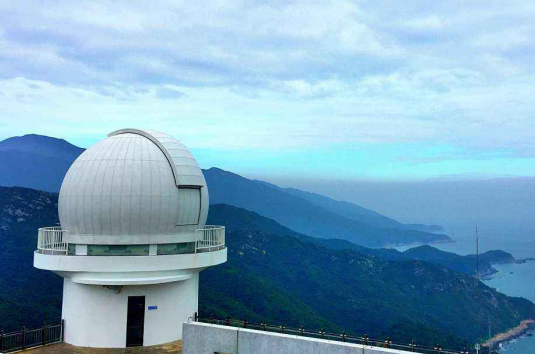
(272, 275)
(275, 277)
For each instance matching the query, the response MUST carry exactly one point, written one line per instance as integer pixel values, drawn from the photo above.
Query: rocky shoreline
(516, 332)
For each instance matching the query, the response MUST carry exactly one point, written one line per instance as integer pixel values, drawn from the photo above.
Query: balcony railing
(339, 337)
(51, 240)
(211, 238)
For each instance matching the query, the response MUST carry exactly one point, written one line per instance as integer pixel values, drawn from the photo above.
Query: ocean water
(512, 279)
(516, 280)
(519, 241)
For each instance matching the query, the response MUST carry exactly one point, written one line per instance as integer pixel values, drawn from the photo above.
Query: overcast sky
(381, 90)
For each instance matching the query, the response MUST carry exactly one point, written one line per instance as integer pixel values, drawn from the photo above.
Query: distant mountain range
(354, 212)
(41, 162)
(238, 218)
(312, 214)
(279, 276)
(36, 161)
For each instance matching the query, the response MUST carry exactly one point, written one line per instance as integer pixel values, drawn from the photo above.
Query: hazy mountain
(36, 161)
(238, 218)
(303, 216)
(355, 212)
(496, 257)
(42, 145)
(41, 162)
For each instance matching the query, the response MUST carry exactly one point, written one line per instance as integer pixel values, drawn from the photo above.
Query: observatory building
(132, 241)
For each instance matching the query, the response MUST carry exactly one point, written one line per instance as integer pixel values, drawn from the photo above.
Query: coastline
(523, 328)
(416, 244)
(490, 275)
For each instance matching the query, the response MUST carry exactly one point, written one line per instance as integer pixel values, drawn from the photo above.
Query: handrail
(51, 240)
(321, 334)
(211, 238)
(28, 338)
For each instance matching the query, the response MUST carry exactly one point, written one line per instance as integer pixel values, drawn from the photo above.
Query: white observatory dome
(134, 187)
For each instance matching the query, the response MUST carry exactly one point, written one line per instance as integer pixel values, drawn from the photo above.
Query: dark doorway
(135, 321)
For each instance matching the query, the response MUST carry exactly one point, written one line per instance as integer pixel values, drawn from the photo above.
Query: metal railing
(341, 337)
(20, 340)
(51, 240)
(210, 238)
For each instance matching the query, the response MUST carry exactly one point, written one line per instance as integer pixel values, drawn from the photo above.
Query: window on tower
(189, 201)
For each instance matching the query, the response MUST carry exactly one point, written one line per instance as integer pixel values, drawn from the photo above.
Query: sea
(516, 280)
(511, 279)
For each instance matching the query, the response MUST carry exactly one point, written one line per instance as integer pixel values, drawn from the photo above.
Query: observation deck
(54, 241)
(129, 264)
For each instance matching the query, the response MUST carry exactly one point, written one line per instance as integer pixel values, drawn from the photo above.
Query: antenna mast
(477, 256)
(490, 344)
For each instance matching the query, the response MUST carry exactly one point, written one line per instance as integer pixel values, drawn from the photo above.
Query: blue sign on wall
(153, 308)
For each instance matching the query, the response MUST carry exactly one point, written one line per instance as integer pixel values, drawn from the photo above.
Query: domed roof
(134, 187)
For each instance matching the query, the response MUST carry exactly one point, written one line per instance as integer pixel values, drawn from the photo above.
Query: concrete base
(202, 338)
(95, 316)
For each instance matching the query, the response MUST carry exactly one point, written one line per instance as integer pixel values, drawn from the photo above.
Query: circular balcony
(132, 264)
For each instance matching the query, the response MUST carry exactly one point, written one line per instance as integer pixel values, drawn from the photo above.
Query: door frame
(140, 300)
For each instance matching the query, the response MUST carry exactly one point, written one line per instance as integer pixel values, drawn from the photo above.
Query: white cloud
(276, 74)
(433, 23)
(506, 40)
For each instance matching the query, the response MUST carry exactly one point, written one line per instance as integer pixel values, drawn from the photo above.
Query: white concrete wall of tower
(96, 316)
(128, 270)
(95, 313)
(203, 338)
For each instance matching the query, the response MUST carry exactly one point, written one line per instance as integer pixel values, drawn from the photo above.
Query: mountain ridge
(302, 216)
(357, 212)
(463, 264)
(42, 145)
(36, 161)
(41, 162)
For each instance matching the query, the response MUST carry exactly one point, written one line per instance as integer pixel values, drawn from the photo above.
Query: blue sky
(381, 90)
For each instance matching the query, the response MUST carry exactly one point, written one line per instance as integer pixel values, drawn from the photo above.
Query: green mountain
(345, 289)
(274, 276)
(463, 264)
(28, 296)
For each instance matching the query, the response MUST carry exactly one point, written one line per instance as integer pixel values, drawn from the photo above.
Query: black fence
(341, 337)
(28, 338)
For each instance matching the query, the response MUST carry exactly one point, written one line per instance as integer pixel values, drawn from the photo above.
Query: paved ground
(62, 348)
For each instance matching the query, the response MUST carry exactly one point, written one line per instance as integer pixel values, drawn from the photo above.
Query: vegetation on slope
(347, 289)
(28, 296)
(273, 276)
